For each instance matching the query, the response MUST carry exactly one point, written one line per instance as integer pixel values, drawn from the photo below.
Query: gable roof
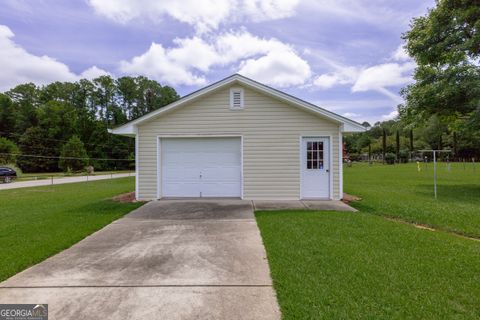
(129, 128)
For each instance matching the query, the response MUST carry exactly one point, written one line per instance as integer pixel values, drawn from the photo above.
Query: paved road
(166, 260)
(46, 182)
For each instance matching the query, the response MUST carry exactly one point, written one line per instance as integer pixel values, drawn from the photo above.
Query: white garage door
(201, 167)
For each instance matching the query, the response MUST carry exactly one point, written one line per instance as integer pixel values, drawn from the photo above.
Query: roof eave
(347, 125)
(127, 130)
(352, 128)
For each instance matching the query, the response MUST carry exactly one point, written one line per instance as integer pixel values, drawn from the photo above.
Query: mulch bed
(125, 197)
(347, 198)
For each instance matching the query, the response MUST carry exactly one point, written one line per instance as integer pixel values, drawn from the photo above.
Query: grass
(401, 191)
(39, 222)
(330, 265)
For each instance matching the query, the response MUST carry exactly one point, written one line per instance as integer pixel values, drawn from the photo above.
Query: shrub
(8, 147)
(73, 149)
(390, 158)
(403, 156)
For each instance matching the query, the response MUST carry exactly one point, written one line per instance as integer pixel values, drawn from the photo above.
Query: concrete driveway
(166, 260)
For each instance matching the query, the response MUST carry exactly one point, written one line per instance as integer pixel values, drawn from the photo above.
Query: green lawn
(331, 265)
(39, 222)
(401, 191)
(341, 265)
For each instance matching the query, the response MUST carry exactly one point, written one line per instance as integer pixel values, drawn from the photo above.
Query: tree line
(398, 141)
(65, 120)
(442, 106)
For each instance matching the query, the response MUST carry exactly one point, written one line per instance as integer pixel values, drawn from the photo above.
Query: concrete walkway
(166, 260)
(47, 182)
(302, 205)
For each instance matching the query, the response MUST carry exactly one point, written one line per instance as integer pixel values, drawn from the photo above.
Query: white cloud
(280, 68)
(267, 60)
(380, 77)
(158, 64)
(390, 116)
(383, 75)
(379, 13)
(19, 66)
(400, 54)
(205, 15)
(93, 72)
(326, 81)
(342, 76)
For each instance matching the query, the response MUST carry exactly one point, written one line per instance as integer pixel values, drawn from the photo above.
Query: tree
(8, 151)
(445, 46)
(25, 101)
(73, 155)
(41, 119)
(7, 116)
(39, 152)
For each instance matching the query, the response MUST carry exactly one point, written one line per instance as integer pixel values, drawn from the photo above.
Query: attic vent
(236, 98)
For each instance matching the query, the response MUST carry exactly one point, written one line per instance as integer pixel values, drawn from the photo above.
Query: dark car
(7, 174)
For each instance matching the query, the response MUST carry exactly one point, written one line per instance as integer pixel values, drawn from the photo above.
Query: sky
(343, 55)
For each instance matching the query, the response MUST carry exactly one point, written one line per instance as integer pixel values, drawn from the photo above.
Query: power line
(58, 157)
(128, 149)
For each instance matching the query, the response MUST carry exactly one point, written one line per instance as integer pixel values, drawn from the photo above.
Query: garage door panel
(201, 167)
(220, 189)
(187, 189)
(221, 174)
(174, 173)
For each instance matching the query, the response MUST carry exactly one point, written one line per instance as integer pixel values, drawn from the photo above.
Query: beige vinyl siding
(271, 132)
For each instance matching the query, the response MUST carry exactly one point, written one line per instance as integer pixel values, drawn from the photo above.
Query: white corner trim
(340, 164)
(137, 164)
(158, 153)
(241, 169)
(330, 166)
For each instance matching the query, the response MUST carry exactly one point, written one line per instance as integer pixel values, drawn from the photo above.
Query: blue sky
(345, 56)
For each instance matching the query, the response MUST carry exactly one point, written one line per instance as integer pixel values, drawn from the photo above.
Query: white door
(201, 167)
(315, 166)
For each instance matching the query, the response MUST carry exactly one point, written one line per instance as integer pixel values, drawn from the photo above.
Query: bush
(390, 158)
(73, 149)
(7, 146)
(403, 156)
(355, 157)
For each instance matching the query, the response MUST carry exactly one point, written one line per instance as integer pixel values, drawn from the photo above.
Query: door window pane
(315, 155)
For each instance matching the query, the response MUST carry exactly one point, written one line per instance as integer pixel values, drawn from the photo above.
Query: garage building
(238, 138)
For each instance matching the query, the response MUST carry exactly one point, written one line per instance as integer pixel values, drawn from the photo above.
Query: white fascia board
(352, 128)
(127, 129)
